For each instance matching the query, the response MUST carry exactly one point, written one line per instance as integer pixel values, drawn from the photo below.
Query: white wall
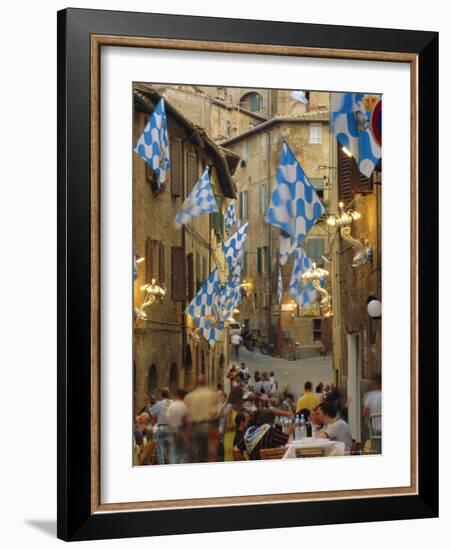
(28, 289)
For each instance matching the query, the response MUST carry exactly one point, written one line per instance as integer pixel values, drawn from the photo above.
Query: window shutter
(198, 275)
(244, 265)
(262, 198)
(150, 260)
(345, 176)
(259, 260)
(191, 167)
(176, 167)
(162, 263)
(363, 183)
(216, 218)
(190, 276)
(178, 274)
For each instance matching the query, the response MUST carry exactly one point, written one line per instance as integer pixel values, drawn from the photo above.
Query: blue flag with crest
(356, 123)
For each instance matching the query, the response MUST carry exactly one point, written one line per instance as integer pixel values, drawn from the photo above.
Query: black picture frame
(75, 518)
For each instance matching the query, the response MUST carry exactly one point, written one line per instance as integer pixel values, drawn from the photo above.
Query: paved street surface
(293, 374)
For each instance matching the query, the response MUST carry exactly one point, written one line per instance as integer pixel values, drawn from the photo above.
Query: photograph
(257, 263)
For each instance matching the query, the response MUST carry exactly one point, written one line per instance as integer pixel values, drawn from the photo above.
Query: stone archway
(188, 371)
(173, 379)
(220, 371)
(152, 385)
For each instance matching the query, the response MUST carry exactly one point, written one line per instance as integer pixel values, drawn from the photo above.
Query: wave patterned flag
(280, 286)
(230, 293)
(302, 291)
(233, 247)
(153, 143)
(356, 123)
(230, 217)
(294, 206)
(299, 95)
(204, 309)
(287, 245)
(199, 201)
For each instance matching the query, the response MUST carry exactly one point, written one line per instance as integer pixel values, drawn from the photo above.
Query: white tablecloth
(332, 448)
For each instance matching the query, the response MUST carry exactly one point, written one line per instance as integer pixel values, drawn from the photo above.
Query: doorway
(354, 384)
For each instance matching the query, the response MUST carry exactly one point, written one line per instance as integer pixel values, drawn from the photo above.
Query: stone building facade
(206, 108)
(357, 343)
(168, 349)
(259, 149)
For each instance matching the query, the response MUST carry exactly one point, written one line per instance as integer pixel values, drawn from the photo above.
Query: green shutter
(259, 259)
(267, 259)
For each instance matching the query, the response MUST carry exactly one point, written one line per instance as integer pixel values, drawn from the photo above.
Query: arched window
(252, 102)
(152, 381)
(173, 379)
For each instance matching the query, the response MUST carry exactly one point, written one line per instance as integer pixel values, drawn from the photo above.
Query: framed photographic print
(247, 274)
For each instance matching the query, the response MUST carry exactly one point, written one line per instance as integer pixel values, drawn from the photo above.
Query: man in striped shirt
(262, 434)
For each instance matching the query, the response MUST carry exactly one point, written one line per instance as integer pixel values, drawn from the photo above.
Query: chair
(356, 448)
(310, 452)
(375, 432)
(238, 455)
(272, 454)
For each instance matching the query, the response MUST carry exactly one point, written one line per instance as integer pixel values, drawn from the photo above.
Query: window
(204, 274)
(243, 205)
(190, 276)
(244, 265)
(228, 128)
(317, 330)
(150, 259)
(315, 249)
(178, 274)
(176, 167)
(263, 198)
(216, 218)
(315, 133)
(318, 184)
(350, 179)
(162, 262)
(198, 275)
(252, 102)
(191, 168)
(263, 259)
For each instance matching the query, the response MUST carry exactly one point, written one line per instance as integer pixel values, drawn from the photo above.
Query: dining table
(331, 448)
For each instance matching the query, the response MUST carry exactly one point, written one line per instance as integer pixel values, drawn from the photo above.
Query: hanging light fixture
(153, 293)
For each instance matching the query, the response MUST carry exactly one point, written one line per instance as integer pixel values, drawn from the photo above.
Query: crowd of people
(238, 419)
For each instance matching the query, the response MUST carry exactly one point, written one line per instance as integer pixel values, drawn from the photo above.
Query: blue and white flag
(302, 291)
(199, 201)
(153, 143)
(230, 293)
(230, 217)
(233, 247)
(294, 205)
(204, 309)
(300, 96)
(280, 286)
(356, 123)
(287, 245)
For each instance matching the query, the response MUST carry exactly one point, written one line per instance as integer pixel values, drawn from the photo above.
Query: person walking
(178, 417)
(231, 409)
(163, 433)
(309, 400)
(236, 341)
